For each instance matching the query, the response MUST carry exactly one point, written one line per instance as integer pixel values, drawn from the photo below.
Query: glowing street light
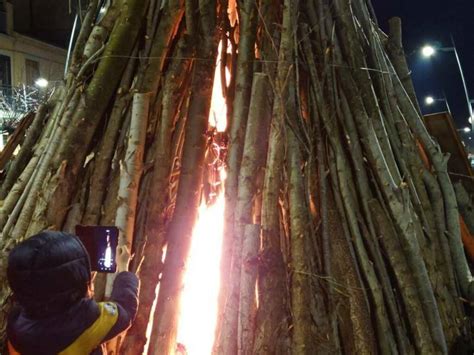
(464, 130)
(428, 51)
(429, 100)
(41, 82)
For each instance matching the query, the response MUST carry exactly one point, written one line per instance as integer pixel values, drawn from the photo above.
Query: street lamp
(465, 130)
(430, 100)
(428, 51)
(41, 83)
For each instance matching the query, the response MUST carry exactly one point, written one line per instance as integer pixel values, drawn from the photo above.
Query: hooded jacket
(51, 335)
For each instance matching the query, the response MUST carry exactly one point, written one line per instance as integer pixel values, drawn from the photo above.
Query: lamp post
(471, 102)
(428, 51)
(430, 100)
(465, 130)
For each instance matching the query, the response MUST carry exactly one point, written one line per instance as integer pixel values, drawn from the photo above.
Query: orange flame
(201, 284)
(198, 309)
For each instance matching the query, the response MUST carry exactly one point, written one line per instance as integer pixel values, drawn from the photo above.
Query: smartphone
(101, 244)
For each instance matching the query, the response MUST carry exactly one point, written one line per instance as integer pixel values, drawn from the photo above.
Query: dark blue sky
(433, 21)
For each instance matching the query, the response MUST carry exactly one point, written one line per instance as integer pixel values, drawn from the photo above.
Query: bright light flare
(429, 100)
(108, 251)
(198, 318)
(41, 82)
(466, 129)
(199, 298)
(218, 114)
(428, 51)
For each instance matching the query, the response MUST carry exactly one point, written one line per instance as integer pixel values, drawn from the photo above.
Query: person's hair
(48, 273)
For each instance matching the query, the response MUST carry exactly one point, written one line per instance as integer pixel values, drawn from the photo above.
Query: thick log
(272, 275)
(303, 331)
(253, 161)
(352, 306)
(237, 124)
(397, 56)
(16, 139)
(170, 19)
(465, 205)
(401, 267)
(106, 149)
(248, 279)
(92, 105)
(86, 29)
(157, 196)
(36, 196)
(131, 169)
(26, 151)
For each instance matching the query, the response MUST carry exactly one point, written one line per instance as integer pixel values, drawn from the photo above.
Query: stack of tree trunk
(342, 230)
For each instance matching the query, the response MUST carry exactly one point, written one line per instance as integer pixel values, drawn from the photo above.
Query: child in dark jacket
(50, 276)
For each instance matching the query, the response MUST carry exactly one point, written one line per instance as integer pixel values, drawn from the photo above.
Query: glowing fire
(198, 316)
(199, 299)
(218, 115)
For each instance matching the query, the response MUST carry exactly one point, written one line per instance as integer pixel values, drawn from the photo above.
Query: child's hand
(123, 258)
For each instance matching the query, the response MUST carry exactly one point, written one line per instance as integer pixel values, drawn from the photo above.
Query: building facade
(24, 59)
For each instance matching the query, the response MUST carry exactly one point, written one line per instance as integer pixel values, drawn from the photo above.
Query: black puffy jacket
(51, 335)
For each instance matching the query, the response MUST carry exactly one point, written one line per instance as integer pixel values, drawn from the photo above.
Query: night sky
(434, 21)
